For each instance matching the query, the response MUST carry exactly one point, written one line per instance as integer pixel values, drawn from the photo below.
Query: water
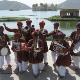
(36, 16)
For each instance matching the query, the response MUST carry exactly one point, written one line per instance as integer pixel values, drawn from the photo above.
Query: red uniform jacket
(75, 39)
(43, 38)
(55, 38)
(3, 42)
(64, 60)
(22, 55)
(39, 57)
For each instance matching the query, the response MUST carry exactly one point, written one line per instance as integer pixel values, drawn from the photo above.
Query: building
(69, 13)
(44, 7)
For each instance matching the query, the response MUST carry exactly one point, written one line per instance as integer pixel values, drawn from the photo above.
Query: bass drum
(4, 51)
(76, 48)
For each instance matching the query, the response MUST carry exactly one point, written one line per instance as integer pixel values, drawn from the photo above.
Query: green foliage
(48, 38)
(66, 18)
(11, 37)
(13, 19)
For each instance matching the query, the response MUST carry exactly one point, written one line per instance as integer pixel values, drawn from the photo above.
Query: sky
(31, 2)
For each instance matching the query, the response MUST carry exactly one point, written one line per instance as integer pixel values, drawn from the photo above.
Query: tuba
(36, 47)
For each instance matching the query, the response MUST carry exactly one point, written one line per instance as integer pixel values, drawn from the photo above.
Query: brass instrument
(16, 45)
(26, 29)
(59, 47)
(36, 47)
(43, 32)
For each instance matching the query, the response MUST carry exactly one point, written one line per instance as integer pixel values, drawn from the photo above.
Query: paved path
(49, 74)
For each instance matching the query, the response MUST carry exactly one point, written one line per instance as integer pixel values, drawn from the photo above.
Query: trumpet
(43, 32)
(36, 47)
(25, 29)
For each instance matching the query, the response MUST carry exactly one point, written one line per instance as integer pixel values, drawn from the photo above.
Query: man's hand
(4, 24)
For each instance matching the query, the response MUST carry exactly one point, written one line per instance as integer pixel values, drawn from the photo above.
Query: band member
(42, 35)
(19, 24)
(75, 37)
(28, 30)
(64, 59)
(35, 47)
(54, 34)
(4, 49)
(22, 56)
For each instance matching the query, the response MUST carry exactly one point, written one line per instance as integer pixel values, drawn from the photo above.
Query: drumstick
(75, 44)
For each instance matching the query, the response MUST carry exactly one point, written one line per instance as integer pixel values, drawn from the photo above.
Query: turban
(19, 23)
(56, 24)
(78, 25)
(61, 35)
(28, 22)
(1, 28)
(35, 33)
(42, 23)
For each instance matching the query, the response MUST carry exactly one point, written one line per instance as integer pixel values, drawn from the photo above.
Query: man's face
(78, 29)
(55, 27)
(19, 26)
(41, 27)
(35, 38)
(1, 31)
(60, 39)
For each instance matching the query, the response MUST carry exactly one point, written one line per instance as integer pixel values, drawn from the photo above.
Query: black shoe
(46, 63)
(21, 72)
(9, 65)
(61, 76)
(0, 69)
(43, 69)
(17, 68)
(54, 64)
(36, 76)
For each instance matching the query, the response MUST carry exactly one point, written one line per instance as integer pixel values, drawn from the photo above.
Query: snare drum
(76, 48)
(15, 46)
(4, 51)
(21, 46)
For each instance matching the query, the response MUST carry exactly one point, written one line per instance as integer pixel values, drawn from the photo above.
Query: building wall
(62, 14)
(69, 13)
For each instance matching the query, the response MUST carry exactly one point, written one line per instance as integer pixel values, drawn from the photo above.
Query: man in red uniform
(35, 47)
(3, 45)
(64, 59)
(42, 35)
(19, 24)
(22, 56)
(28, 30)
(54, 34)
(75, 38)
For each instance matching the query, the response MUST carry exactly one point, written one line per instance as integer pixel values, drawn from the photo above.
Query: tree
(34, 5)
(41, 4)
(52, 4)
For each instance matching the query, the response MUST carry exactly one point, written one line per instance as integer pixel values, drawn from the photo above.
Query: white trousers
(54, 56)
(76, 60)
(35, 67)
(16, 61)
(22, 66)
(7, 58)
(45, 57)
(61, 70)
